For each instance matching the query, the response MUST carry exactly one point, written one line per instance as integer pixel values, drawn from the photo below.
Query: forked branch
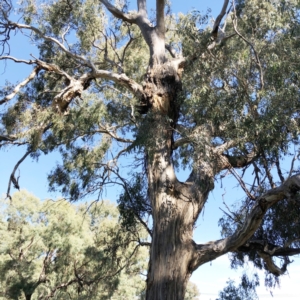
(212, 250)
(219, 19)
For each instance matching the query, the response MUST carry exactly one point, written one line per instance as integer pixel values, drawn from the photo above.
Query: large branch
(210, 251)
(271, 266)
(75, 86)
(268, 248)
(142, 7)
(219, 19)
(160, 17)
(63, 98)
(118, 13)
(121, 79)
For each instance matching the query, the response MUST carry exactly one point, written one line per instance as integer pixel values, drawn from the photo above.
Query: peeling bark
(176, 205)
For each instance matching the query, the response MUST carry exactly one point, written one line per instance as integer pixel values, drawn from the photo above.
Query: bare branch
(28, 62)
(52, 68)
(75, 88)
(119, 14)
(267, 170)
(122, 79)
(292, 164)
(126, 47)
(225, 146)
(239, 161)
(20, 85)
(180, 142)
(241, 182)
(113, 134)
(47, 67)
(219, 19)
(60, 286)
(270, 249)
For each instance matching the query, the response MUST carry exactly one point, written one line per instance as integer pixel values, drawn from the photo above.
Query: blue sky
(33, 176)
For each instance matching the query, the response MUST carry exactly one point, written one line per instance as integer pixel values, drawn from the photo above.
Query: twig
(234, 21)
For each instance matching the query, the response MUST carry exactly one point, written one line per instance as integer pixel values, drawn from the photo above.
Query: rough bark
(176, 205)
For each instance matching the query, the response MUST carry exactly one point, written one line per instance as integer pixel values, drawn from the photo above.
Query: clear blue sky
(33, 176)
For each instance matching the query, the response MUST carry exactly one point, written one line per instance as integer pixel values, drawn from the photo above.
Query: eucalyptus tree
(56, 250)
(169, 92)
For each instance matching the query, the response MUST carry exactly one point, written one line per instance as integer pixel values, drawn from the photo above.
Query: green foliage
(244, 291)
(242, 87)
(133, 202)
(55, 249)
(225, 88)
(235, 89)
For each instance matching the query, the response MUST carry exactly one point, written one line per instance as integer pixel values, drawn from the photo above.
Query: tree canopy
(53, 249)
(166, 92)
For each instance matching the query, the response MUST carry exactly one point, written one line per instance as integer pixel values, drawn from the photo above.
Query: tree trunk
(175, 208)
(171, 251)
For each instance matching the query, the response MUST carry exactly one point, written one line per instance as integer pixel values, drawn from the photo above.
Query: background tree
(169, 92)
(192, 292)
(53, 249)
